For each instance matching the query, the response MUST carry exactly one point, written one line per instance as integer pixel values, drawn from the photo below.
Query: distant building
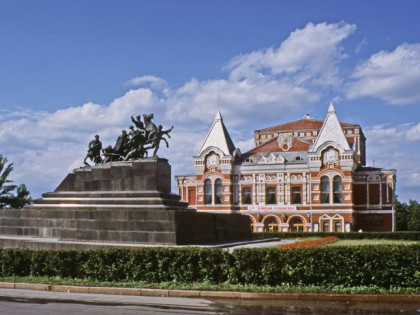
(305, 175)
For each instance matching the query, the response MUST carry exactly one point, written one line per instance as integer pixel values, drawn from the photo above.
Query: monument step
(99, 213)
(110, 194)
(54, 243)
(110, 201)
(113, 225)
(165, 237)
(94, 207)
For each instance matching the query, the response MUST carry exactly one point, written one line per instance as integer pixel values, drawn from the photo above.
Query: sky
(73, 69)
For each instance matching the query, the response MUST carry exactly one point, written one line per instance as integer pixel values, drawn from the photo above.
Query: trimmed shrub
(383, 266)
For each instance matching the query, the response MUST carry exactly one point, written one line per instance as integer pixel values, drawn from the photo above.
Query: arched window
(325, 190)
(207, 192)
(297, 225)
(271, 225)
(337, 189)
(270, 196)
(218, 192)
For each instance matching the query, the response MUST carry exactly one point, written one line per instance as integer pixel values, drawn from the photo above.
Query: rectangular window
(270, 196)
(207, 192)
(325, 190)
(325, 226)
(297, 195)
(246, 196)
(337, 226)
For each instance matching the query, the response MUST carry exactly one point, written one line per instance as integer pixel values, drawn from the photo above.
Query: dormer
(217, 152)
(331, 148)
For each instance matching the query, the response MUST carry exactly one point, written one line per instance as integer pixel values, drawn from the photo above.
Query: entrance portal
(296, 225)
(271, 225)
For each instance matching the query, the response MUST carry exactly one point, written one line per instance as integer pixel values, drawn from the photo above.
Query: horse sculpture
(150, 127)
(132, 145)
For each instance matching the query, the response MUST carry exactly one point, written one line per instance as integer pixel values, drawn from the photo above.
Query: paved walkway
(31, 302)
(369, 298)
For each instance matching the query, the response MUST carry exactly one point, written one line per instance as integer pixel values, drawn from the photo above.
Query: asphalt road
(14, 301)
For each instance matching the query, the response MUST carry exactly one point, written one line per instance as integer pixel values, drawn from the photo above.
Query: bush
(383, 266)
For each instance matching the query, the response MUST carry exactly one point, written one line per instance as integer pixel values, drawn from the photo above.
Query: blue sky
(70, 69)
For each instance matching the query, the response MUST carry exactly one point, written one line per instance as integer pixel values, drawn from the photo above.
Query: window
(296, 195)
(325, 226)
(207, 192)
(337, 226)
(297, 226)
(246, 196)
(337, 189)
(272, 225)
(270, 196)
(325, 190)
(218, 192)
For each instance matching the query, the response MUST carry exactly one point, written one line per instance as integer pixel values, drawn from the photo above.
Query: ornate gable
(331, 132)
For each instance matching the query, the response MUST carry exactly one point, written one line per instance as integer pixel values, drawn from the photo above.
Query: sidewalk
(365, 298)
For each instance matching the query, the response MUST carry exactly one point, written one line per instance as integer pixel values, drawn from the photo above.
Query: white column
(367, 195)
(380, 194)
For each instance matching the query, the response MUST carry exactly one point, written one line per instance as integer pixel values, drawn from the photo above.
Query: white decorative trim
(297, 216)
(373, 211)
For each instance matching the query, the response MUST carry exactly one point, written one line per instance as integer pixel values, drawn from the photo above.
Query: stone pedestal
(118, 204)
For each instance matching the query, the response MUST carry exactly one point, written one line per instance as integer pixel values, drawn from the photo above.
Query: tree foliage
(408, 215)
(11, 196)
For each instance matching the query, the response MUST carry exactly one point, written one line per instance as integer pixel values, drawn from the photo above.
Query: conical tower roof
(331, 131)
(218, 137)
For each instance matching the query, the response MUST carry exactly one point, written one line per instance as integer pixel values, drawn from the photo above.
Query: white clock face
(330, 157)
(212, 161)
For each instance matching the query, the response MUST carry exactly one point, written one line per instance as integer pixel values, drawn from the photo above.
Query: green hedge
(383, 266)
(414, 236)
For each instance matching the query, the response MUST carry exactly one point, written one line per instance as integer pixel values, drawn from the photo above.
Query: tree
(9, 199)
(408, 215)
(401, 214)
(413, 222)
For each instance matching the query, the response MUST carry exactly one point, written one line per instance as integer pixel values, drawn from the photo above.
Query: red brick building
(305, 175)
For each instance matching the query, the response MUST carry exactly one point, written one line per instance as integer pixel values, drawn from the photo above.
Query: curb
(365, 298)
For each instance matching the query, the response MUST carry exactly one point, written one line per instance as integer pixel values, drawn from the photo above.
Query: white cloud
(196, 102)
(307, 55)
(391, 76)
(154, 82)
(395, 146)
(261, 88)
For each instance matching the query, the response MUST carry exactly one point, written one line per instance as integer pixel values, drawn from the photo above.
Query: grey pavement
(15, 301)
(259, 244)
(29, 302)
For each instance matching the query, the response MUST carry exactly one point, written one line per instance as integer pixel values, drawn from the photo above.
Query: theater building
(305, 175)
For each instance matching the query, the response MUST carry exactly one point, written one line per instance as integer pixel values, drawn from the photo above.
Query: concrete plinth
(116, 203)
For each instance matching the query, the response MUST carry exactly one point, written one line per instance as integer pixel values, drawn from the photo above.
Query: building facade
(305, 175)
